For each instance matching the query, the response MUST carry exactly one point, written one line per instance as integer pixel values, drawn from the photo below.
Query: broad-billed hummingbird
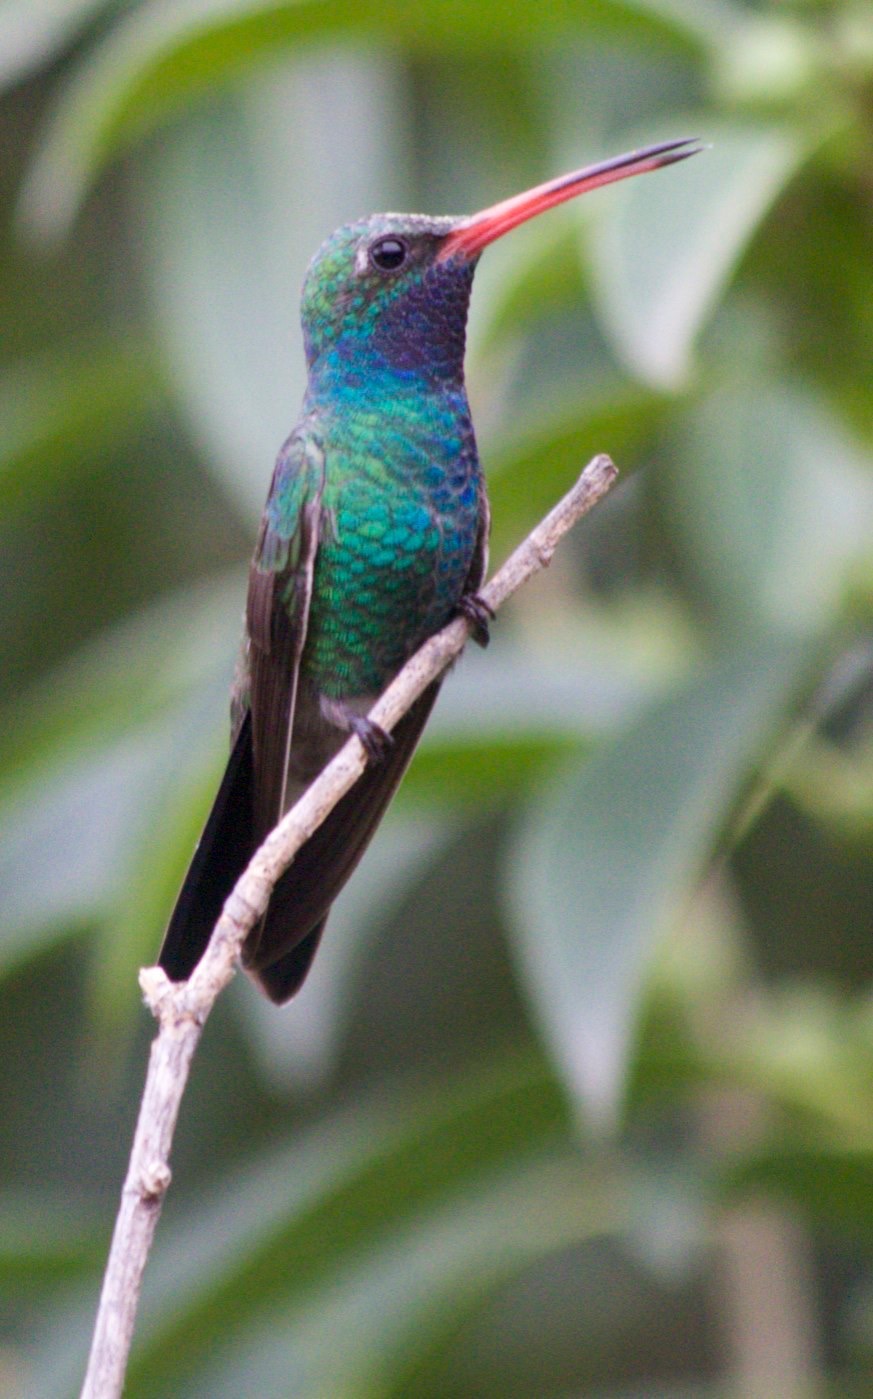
(374, 535)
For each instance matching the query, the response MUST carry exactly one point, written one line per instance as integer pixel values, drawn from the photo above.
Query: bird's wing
(479, 563)
(249, 799)
(280, 958)
(277, 615)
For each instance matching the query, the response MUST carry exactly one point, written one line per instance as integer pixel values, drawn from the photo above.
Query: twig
(181, 1009)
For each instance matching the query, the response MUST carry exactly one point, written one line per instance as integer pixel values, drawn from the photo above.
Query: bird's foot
(377, 741)
(479, 614)
(350, 716)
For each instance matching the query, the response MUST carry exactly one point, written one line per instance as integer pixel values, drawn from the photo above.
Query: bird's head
(377, 290)
(393, 290)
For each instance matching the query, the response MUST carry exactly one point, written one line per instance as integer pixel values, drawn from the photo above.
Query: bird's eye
(388, 254)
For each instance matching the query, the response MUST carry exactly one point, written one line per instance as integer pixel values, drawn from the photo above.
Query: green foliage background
(579, 1098)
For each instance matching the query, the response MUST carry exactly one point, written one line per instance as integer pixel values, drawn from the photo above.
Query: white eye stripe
(362, 259)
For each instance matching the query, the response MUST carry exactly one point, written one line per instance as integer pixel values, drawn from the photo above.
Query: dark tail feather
(283, 979)
(224, 850)
(280, 958)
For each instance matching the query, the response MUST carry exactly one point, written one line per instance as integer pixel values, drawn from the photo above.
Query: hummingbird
(374, 535)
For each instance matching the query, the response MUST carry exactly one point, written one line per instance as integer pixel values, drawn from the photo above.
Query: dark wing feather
(250, 797)
(302, 898)
(479, 562)
(225, 848)
(277, 615)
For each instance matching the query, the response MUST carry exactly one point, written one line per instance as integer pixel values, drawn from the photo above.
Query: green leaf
(120, 734)
(297, 1223)
(811, 1053)
(160, 834)
(44, 1238)
(383, 1309)
(538, 695)
(164, 55)
(613, 847)
(58, 870)
(534, 465)
(302, 1048)
(154, 661)
(59, 413)
(663, 247)
(832, 1186)
(227, 238)
(769, 503)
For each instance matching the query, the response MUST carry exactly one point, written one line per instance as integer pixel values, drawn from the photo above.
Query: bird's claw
(479, 614)
(377, 741)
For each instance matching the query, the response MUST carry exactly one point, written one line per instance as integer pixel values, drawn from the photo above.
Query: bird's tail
(279, 953)
(223, 851)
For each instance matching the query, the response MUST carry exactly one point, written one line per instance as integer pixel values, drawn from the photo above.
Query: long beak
(475, 233)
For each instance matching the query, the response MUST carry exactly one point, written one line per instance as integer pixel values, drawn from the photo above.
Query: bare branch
(182, 1009)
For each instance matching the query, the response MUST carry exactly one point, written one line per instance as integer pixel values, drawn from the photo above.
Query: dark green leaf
(833, 1186)
(538, 460)
(60, 414)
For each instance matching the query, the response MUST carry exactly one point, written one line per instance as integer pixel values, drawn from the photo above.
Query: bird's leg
(479, 614)
(377, 742)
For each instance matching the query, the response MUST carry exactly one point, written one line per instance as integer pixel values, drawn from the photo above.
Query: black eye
(388, 254)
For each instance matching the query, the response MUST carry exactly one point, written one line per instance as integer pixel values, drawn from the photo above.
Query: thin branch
(181, 1009)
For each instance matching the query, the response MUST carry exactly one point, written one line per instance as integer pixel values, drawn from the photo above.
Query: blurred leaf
(56, 869)
(538, 461)
(171, 810)
(285, 1226)
(775, 61)
(769, 503)
(232, 212)
(836, 785)
(61, 412)
(484, 771)
(520, 282)
(33, 34)
(832, 1186)
(164, 55)
(119, 734)
(302, 1048)
(44, 1239)
(539, 692)
(700, 972)
(179, 646)
(59, 870)
(383, 1309)
(663, 247)
(612, 848)
(810, 1052)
